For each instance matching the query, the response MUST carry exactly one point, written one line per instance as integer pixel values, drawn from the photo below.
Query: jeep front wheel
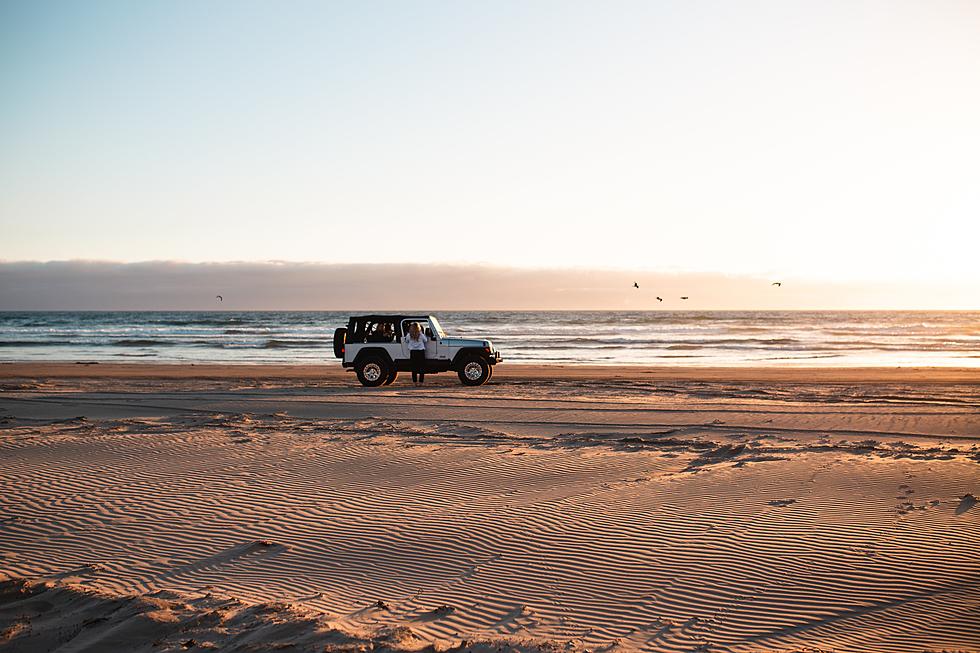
(372, 371)
(475, 371)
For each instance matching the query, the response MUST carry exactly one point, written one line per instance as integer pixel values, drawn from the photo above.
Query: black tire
(372, 370)
(391, 376)
(490, 375)
(474, 371)
(339, 339)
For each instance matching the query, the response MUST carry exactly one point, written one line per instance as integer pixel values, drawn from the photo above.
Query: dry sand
(253, 508)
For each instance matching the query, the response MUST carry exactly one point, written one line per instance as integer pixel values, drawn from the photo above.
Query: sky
(87, 285)
(826, 142)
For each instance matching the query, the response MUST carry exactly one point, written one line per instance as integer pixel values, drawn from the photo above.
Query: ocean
(746, 338)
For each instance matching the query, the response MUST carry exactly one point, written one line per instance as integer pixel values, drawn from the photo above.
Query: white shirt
(414, 345)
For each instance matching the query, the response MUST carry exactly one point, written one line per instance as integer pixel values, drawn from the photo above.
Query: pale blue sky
(818, 140)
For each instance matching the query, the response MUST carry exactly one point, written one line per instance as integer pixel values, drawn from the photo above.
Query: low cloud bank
(83, 285)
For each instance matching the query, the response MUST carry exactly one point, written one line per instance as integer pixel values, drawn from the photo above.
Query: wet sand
(335, 373)
(167, 507)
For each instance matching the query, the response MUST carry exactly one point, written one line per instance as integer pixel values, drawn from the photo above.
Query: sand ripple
(380, 533)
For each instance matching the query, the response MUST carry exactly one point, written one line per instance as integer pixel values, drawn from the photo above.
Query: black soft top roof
(390, 316)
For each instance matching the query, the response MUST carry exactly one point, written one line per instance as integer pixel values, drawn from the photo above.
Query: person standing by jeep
(416, 348)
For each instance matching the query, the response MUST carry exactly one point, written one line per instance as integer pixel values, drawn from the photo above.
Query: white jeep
(376, 348)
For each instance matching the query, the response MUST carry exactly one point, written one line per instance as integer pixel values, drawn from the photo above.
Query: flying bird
(683, 297)
(660, 299)
(636, 285)
(219, 298)
(777, 283)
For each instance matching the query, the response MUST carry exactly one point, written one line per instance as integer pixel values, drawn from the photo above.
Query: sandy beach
(254, 508)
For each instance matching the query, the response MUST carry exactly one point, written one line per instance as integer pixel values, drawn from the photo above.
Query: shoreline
(504, 372)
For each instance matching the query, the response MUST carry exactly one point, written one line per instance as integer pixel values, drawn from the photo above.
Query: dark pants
(418, 365)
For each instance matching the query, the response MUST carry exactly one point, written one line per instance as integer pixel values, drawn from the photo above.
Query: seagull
(683, 297)
(660, 299)
(219, 298)
(636, 285)
(777, 283)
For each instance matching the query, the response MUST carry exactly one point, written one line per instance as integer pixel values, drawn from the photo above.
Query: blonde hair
(416, 329)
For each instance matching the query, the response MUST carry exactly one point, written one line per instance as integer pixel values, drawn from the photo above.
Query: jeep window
(358, 331)
(372, 331)
(383, 331)
(422, 323)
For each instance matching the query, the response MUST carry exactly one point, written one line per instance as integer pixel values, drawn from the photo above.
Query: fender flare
(377, 351)
(465, 353)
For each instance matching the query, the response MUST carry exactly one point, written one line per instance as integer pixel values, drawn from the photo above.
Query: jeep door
(374, 334)
(438, 340)
(388, 339)
(432, 347)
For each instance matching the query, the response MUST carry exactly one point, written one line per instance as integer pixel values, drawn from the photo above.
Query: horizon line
(362, 311)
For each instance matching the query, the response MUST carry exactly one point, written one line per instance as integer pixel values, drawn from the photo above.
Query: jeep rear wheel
(391, 376)
(474, 371)
(372, 371)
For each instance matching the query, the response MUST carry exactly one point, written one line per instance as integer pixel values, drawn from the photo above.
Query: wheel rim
(372, 371)
(473, 371)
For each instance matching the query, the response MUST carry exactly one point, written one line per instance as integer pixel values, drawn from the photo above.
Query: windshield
(436, 328)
